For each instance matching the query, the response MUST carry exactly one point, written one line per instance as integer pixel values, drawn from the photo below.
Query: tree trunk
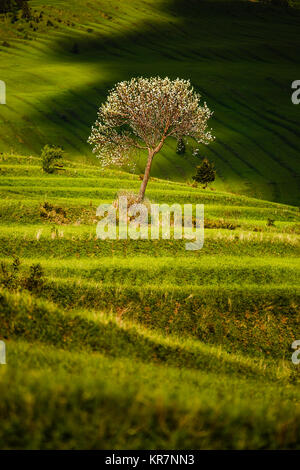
(146, 176)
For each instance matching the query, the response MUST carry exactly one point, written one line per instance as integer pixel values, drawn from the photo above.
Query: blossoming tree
(141, 114)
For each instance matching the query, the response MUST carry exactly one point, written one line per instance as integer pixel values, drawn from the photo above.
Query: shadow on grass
(222, 47)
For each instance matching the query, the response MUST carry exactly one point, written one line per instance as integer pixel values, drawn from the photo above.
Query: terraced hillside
(142, 344)
(241, 56)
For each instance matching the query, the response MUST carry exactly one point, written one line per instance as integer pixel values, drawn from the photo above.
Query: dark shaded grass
(212, 43)
(106, 407)
(33, 320)
(250, 319)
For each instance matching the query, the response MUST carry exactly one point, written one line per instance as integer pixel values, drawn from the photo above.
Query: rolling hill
(141, 344)
(241, 56)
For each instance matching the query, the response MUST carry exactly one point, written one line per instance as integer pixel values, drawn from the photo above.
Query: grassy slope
(242, 56)
(143, 344)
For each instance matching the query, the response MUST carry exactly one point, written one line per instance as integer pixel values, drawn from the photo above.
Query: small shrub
(180, 150)
(34, 282)
(75, 48)
(9, 276)
(26, 10)
(53, 213)
(50, 156)
(220, 224)
(13, 279)
(206, 173)
(280, 3)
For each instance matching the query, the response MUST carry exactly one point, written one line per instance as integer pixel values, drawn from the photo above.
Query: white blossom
(141, 113)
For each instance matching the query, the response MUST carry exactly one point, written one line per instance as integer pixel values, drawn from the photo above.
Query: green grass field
(241, 56)
(142, 344)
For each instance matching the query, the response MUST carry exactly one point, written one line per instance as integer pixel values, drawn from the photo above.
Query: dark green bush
(8, 6)
(53, 213)
(9, 275)
(13, 279)
(270, 222)
(180, 150)
(75, 48)
(50, 156)
(206, 173)
(34, 282)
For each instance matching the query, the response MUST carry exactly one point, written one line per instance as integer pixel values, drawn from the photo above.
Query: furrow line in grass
(49, 116)
(61, 246)
(265, 115)
(204, 271)
(247, 117)
(270, 155)
(284, 139)
(262, 149)
(24, 317)
(254, 319)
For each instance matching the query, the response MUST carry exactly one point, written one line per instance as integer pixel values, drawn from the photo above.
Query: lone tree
(206, 173)
(141, 113)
